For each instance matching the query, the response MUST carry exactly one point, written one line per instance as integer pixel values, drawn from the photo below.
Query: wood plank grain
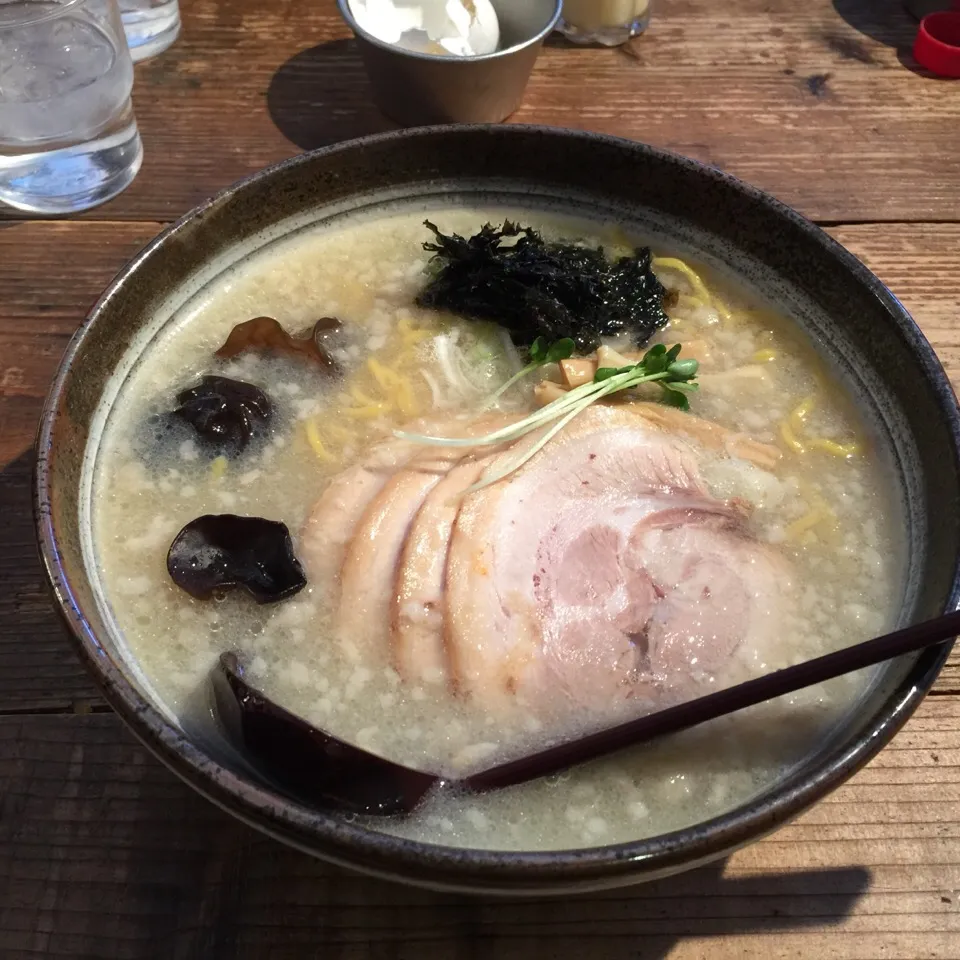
(920, 263)
(42, 307)
(819, 103)
(45, 296)
(103, 853)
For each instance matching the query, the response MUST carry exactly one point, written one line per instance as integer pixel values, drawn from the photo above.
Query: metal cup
(421, 88)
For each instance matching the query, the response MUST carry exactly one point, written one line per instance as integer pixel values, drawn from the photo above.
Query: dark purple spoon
(332, 774)
(320, 769)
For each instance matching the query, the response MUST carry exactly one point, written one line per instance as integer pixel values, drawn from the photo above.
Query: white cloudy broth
(829, 509)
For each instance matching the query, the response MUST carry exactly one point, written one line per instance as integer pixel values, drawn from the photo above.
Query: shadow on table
(38, 668)
(175, 877)
(321, 96)
(639, 923)
(886, 21)
(302, 907)
(184, 880)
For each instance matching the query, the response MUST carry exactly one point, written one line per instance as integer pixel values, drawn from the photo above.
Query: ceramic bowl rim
(459, 868)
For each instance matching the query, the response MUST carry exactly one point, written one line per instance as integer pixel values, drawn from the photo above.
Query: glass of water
(151, 26)
(68, 137)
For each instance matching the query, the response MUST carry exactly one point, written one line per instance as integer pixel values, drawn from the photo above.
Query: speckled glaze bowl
(847, 311)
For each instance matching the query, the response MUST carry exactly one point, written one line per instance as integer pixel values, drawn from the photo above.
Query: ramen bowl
(845, 311)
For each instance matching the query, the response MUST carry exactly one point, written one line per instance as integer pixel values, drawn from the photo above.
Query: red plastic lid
(937, 46)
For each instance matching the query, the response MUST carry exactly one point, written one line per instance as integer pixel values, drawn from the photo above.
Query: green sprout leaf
(540, 354)
(673, 398)
(561, 350)
(659, 365)
(683, 369)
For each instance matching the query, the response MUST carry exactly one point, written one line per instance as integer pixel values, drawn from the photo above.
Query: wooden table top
(103, 853)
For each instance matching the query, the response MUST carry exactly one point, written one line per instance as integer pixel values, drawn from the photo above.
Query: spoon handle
(713, 705)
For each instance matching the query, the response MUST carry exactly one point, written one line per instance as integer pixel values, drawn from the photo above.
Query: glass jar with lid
(608, 22)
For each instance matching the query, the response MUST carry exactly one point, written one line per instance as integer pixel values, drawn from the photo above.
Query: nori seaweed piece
(534, 288)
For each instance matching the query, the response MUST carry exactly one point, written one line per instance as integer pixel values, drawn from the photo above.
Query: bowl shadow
(888, 22)
(40, 670)
(183, 879)
(702, 904)
(321, 96)
(645, 922)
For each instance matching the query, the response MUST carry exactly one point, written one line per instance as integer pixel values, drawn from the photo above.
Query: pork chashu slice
(417, 605)
(368, 575)
(333, 518)
(602, 571)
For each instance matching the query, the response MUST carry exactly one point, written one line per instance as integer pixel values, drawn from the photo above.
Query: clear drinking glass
(68, 137)
(151, 26)
(608, 22)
